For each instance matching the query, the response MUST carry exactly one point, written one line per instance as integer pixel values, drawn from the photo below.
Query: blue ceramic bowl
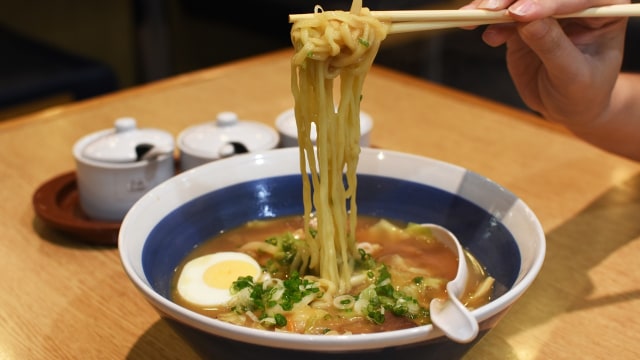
(167, 222)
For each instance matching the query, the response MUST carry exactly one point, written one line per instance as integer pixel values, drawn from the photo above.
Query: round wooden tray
(56, 202)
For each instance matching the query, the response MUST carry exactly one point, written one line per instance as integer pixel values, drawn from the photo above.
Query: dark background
(62, 50)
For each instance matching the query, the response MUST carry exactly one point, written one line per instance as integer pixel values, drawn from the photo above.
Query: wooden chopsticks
(421, 20)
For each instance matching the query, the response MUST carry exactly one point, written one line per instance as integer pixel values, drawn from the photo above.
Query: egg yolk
(221, 275)
(207, 280)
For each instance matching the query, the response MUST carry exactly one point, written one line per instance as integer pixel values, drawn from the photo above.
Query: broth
(419, 268)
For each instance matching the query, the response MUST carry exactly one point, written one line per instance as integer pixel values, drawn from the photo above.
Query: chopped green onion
(280, 320)
(364, 42)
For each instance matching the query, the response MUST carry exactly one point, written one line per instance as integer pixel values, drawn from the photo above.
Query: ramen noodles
(329, 270)
(333, 45)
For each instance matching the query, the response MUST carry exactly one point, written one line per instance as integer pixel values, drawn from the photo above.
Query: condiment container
(116, 166)
(224, 137)
(288, 130)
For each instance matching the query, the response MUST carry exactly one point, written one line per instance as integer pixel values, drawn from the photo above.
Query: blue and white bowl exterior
(165, 224)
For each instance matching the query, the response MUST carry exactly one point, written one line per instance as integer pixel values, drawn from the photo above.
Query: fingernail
(522, 8)
(488, 4)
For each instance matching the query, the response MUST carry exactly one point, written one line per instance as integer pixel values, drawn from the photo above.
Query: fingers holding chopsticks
(528, 10)
(564, 69)
(594, 12)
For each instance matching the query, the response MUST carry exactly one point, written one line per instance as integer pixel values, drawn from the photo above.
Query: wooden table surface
(62, 298)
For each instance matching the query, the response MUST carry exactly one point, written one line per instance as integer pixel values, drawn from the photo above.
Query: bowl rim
(135, 219)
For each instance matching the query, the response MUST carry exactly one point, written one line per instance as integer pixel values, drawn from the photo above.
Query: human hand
(564, 69)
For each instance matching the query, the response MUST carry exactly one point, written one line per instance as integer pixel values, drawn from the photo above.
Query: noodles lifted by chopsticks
(331, 45)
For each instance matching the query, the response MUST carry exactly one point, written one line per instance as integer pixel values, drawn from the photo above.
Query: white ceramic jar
(288, 130)
(115, 167)
(224, 137)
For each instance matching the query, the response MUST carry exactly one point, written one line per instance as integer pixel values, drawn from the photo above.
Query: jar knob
(226, 118)
(125, 124)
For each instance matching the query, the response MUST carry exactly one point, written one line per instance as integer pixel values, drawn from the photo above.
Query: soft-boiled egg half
(206, 280)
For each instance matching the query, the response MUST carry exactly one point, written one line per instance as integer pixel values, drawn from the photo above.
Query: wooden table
(64, 299)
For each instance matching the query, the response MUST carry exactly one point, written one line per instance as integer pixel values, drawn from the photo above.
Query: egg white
(193, 287)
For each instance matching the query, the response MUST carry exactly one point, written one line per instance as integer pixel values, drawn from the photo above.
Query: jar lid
(226, 136)
(125, 142)
(286, 124)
